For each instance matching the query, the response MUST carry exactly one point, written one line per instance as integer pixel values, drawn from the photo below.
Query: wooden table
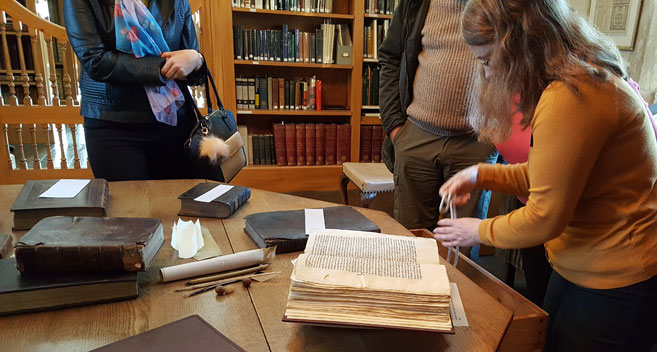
(250, 317)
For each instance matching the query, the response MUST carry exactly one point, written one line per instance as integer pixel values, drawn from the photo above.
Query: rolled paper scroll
(219, 264)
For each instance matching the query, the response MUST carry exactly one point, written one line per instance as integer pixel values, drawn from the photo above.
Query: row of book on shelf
(386, 7)
(326, 45)
(371, 85)
(268, 93)
(317, 6)
(373, 36)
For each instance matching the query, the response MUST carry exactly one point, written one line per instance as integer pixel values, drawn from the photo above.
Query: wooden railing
(42, 132)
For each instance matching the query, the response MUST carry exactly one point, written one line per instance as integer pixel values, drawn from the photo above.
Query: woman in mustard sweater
(591, 175)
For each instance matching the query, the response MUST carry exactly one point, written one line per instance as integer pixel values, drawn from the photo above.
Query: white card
(314, 219)
(65, 189)
(213, 194)
(456, 310)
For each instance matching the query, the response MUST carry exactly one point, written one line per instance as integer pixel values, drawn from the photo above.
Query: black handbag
(218, 123)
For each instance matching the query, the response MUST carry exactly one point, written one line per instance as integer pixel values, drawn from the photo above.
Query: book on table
(20, 293)
(29, 207)
(287, 231)
(354, 278)
(213, 200)
(65, 244)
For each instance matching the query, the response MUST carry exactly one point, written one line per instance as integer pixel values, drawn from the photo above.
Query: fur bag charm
(213, 148)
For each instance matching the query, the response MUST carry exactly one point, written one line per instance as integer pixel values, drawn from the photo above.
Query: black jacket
(111, 82)
(398, 57)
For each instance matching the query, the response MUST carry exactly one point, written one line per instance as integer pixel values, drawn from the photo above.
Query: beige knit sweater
(444, 82)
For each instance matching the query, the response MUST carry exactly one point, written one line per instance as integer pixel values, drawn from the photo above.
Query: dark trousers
(151, 151)
(537, 272)
(584, 319)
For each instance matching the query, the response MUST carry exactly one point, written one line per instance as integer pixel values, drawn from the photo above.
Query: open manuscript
(369, 279)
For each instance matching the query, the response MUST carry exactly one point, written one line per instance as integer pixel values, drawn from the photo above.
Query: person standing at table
(591, 176)
(426, 85)
(136, 118)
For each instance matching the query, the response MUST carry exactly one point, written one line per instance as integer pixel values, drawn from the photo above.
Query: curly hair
(534, 42)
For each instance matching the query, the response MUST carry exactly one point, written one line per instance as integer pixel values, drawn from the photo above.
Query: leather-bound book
(377, 143)
(344, 143)
(287, 229)
(279, 144)
(223, 206)
(331, 142)
(366, 143)
(21, 293)
(291, 144)
(281, 93)
(268, 149)
(179, 335)
(6, 243)
(320, 144)
(66, 244)
(274, 91)
(301, 144)
(29, 208)
(310, 144)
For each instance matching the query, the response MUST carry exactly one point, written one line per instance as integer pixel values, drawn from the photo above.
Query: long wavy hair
(534, 42)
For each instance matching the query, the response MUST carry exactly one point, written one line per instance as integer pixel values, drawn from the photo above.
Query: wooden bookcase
(341, 85)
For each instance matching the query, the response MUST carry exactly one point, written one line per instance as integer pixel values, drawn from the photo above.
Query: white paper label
(314, 219)
(213, 194)
(256, 62)
(456, 310)
(65, 189)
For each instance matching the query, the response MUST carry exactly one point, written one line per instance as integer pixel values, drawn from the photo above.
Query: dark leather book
(291, 144)
(366, 143)
(272, 151)
(310, 144)
(331, 142)
(281, 93)
(20, 293)
(301, 144)
(221, 207)
(29, 208)
(6, 243)
(65, 244)
(191, 333)
(344, 143)
(287, 230)
(320, 144)
(274, 91)
(263, 148)
(279, 144)
(377, 143)
(256, 150)
(268, 149)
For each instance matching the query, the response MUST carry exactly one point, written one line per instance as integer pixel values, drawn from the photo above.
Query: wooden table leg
(344, 181)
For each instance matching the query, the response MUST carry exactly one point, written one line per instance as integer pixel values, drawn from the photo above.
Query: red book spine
(301, 144)
(280, 144)
(366, 144)
(344, 143)
(310, 144)
(320, 144)
(318, 95)
(331, 142)
(377, 143)
(281, 93)
(291, 144)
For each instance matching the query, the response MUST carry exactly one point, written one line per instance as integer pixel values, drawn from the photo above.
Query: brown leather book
(366, 143)
(6, 243)
(221, 207)
(281, 93)
(19, 293)
(344, 143)
(29, 208)
(331, 142)
(310, 144)
(291, 144)
(191, 333)
(274, 92)
(279, 144)
(377, 143)
(287, 229)
(320, 144)
(301, 144)
(65, 244)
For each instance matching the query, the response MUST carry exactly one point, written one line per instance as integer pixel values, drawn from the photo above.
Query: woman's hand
(458, 232)
(181, 63)
(460, 185)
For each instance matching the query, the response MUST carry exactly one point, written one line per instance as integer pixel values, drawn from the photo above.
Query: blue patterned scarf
(138, 33)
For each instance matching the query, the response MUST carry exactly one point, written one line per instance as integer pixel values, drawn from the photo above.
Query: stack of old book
(367, 279)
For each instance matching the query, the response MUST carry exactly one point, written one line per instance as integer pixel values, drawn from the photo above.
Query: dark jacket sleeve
(189, 41)
(101, 64)
(390, 54)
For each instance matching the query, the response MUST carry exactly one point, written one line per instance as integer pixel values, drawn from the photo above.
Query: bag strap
(200, 123)
(210, 80)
